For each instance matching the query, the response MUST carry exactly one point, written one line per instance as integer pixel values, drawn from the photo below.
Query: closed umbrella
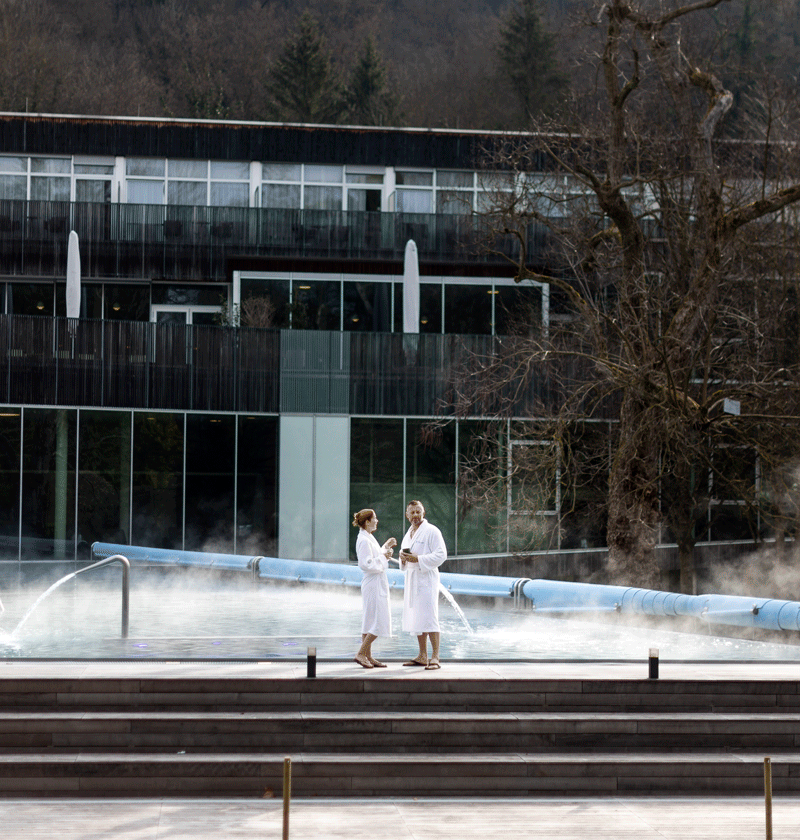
(411, 289)
(73, 277)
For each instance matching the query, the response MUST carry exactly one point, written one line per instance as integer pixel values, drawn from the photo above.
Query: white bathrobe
(377, 617)
(421, 592)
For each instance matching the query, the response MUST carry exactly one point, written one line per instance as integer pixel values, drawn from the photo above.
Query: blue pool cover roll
(543, 595)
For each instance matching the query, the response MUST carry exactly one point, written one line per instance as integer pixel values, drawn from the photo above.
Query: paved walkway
(290, 668)
(401, 819)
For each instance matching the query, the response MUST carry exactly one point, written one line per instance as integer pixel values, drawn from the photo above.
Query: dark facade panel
(33, 134)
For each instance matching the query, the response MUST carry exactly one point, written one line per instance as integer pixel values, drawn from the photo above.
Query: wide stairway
(215, 737)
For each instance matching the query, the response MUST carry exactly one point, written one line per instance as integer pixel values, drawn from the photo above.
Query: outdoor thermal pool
(188, 614)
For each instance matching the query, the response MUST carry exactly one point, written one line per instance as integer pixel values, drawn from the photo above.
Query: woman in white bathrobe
(373, 560)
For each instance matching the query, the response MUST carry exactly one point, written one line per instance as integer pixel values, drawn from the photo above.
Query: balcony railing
(136, 240)
(127, 364)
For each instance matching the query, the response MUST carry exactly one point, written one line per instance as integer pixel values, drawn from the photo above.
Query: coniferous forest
(492, 64)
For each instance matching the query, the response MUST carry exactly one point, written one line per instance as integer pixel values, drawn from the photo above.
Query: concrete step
(420, 692)
(409, 735)
(420, 775)
(352, 732)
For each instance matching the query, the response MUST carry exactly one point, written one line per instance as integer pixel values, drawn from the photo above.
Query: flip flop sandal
(416, 663)
(433, 665)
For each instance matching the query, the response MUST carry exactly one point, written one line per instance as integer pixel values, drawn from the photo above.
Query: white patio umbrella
(411, 289)
(73, 277)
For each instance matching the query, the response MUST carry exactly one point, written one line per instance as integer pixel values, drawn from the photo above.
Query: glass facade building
(158, 419)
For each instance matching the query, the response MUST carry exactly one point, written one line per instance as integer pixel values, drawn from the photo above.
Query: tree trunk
(633, 513)
(688, 573)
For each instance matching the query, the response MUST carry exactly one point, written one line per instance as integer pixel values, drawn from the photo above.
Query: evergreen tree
(302, 83)
(526, 57)
(370, 98)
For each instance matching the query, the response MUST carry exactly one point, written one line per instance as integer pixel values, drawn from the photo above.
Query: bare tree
(653, 229)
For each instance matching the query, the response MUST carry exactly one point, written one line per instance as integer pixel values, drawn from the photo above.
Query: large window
(468, 309)
(376, 473)
(48, 482)
(316, 304)
(157, 479)
(10, 429)
(414, 192)
(104, 472)
(257, 496)
(210, 489)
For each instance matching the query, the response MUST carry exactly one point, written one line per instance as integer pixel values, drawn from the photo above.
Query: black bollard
(653, 663)
(311, 663)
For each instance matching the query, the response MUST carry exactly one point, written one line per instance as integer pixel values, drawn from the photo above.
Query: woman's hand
(390, 543)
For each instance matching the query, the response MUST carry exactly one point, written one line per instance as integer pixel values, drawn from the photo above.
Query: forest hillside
(489, 64)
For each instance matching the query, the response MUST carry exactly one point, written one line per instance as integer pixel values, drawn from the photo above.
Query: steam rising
(196, 614)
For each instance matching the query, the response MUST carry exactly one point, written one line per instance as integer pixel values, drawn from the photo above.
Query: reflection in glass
(91, 301)
(188, 169)
(187, 193)
(280, 171)
(257, 488)
(325, 174)
(230, 195)
(210, 446)
(14, 187)
(322, 198)
(97, 192)
(48, 482)
(49, 189)
(104, 471)
(364, 200)
(398, 307)
(157, 479)
(30, 299)
(276, 290)
(430, 308)
(468, 309)
(316, 304)
(583, 509)
(481, 526)
(376, 474)
(206, 295)
(10, 426)
(430, 475)
(414, 201)
(127, 302)
(518, 310)
(281, 196)
(144, 166)
(367, 306)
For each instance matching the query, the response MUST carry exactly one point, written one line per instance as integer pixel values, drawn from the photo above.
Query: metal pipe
(126, 584)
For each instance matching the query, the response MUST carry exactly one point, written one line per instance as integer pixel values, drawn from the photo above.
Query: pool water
(190, 616)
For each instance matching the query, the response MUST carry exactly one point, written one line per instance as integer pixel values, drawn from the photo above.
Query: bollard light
(768, 796)
(311, 662)
(287, 794)
(653, 663)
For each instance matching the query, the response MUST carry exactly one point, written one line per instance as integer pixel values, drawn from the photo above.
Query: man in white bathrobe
(422, 551)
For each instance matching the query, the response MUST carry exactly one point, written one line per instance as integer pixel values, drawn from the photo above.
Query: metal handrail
(126, 584)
